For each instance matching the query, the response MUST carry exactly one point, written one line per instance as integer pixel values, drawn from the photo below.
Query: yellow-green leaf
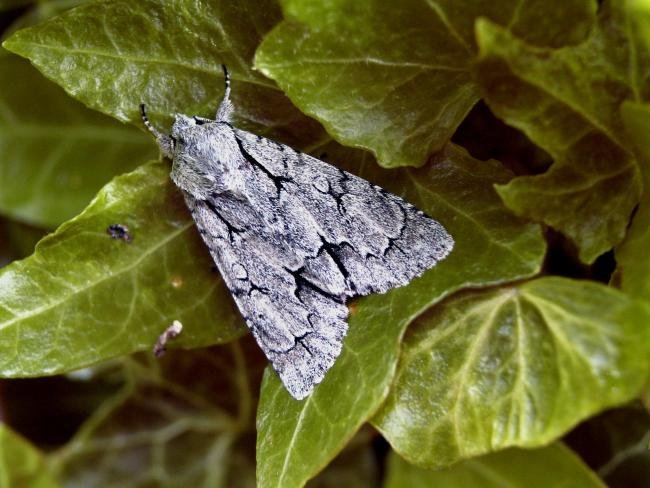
(83, 296)
(554, 466)
(567, 101)
(21, 464)
(167, 54)
(514, 366)
(633, 272)
(55, 154)
(394, 77)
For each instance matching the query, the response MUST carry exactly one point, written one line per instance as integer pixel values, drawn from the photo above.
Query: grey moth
(294, 237)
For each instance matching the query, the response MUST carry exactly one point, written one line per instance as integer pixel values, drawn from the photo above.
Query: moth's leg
(164, 142)
(225, 108)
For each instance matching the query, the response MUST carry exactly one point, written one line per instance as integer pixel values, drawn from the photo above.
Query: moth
(293, 237)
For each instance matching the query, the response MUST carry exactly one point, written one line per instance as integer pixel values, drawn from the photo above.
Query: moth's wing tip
(301, 373)
(301, 390)
(447, 243)
(298, 389)
(299, 386)
(300, 393)
(441, 243)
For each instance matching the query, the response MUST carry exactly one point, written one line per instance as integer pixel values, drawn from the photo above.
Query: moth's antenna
(226, 80)
(225, 108)
(165, 142)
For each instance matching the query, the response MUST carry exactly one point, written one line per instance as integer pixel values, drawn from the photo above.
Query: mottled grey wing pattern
(378, 240)
(299, 326)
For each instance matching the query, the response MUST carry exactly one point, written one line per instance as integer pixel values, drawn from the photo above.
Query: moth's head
(205, 157)
(182, 126)
(204, 153)
(181, 129)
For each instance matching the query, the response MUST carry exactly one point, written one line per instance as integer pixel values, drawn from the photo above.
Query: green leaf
(567, 101)
(84, 297)
(514, 366)
(639, 26)
(548, 467)
(633, 271)
(186, 420)
(296, 439)
(21, 464)
(167, 54)
(394, 77)
(60, 152)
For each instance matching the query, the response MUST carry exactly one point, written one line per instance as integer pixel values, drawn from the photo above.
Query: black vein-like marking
(344, 175)
(301, 339)
(301, 283)
(253, 287)
(278, 181)
(392, 241)
(229, 226)
(296, 340)
(338, 198)
(331, 249)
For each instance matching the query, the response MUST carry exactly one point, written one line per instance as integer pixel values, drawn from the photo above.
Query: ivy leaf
(296, 439)
(547, 467)
(567, 101)
(515, 366)
(394, 77)
(83, 297)
(167, 54)
(21, 464)
(60, 152)
(186, 420)
(633, 271)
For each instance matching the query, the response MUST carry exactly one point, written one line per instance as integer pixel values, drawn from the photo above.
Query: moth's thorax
(205, 158)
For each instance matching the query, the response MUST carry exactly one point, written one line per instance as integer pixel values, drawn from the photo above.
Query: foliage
(520, 126)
